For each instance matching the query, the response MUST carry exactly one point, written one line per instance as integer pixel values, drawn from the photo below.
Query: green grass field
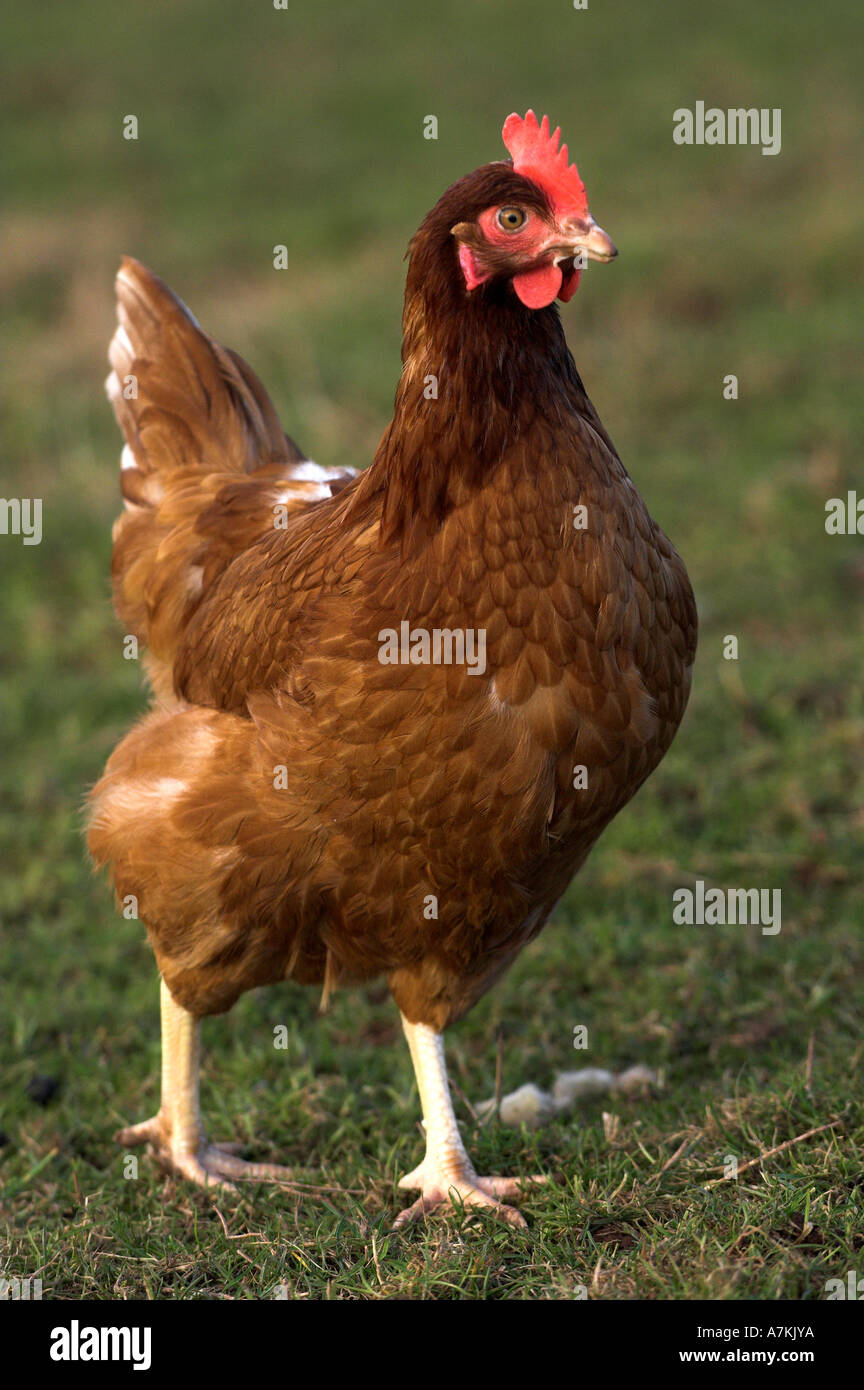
(304, 127)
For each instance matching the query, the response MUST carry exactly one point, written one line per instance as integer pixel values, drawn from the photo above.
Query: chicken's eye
(511, 219)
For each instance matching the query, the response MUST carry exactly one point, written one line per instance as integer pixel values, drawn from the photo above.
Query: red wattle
(570, 286)
(537, 288)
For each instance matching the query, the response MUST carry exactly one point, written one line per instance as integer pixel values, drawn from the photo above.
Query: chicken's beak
(585, 238)
(593, 242)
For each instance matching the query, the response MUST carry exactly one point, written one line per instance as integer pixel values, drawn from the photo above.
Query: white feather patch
(123, 341)
(310, 472)
(305, 494)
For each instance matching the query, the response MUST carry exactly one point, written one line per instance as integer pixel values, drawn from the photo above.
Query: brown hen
(393, 711)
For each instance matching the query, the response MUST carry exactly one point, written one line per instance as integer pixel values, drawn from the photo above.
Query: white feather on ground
(531, 1106)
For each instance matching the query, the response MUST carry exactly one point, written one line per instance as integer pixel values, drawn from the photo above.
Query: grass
(257, 128)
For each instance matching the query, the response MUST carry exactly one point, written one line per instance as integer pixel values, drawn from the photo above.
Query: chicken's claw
(210, 1165)
(464, 1191)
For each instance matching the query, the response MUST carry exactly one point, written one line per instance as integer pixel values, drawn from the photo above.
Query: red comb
(536, 156)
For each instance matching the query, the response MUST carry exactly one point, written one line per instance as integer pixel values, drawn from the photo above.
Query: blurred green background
(305, 127)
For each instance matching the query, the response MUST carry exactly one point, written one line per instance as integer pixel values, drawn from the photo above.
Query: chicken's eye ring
(505, 219)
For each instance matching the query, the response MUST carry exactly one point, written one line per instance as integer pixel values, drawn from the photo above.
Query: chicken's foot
(174, 1136)
(447, 1173)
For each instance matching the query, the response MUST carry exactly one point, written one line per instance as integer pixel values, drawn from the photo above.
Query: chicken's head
(537, 230)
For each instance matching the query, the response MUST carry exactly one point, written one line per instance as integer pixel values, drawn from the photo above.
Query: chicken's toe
(208, 1165)
(150, 1131)
(212, 1167)
(511, 1189)
(222, 1160)
(198, 1168)
(463, 1192)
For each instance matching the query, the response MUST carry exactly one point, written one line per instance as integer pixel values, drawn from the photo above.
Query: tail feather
(205, 461)
(179, 397)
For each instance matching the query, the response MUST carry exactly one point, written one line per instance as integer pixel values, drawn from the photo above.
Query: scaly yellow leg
(447, 1173)
(175, 1135)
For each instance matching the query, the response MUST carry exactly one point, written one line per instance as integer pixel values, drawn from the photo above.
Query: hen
(393, 711)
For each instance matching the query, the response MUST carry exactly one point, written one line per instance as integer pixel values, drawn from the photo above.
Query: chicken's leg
(447, 1173)
(174, 1135)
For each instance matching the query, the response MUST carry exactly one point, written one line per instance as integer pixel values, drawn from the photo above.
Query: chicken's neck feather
(480, 373)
